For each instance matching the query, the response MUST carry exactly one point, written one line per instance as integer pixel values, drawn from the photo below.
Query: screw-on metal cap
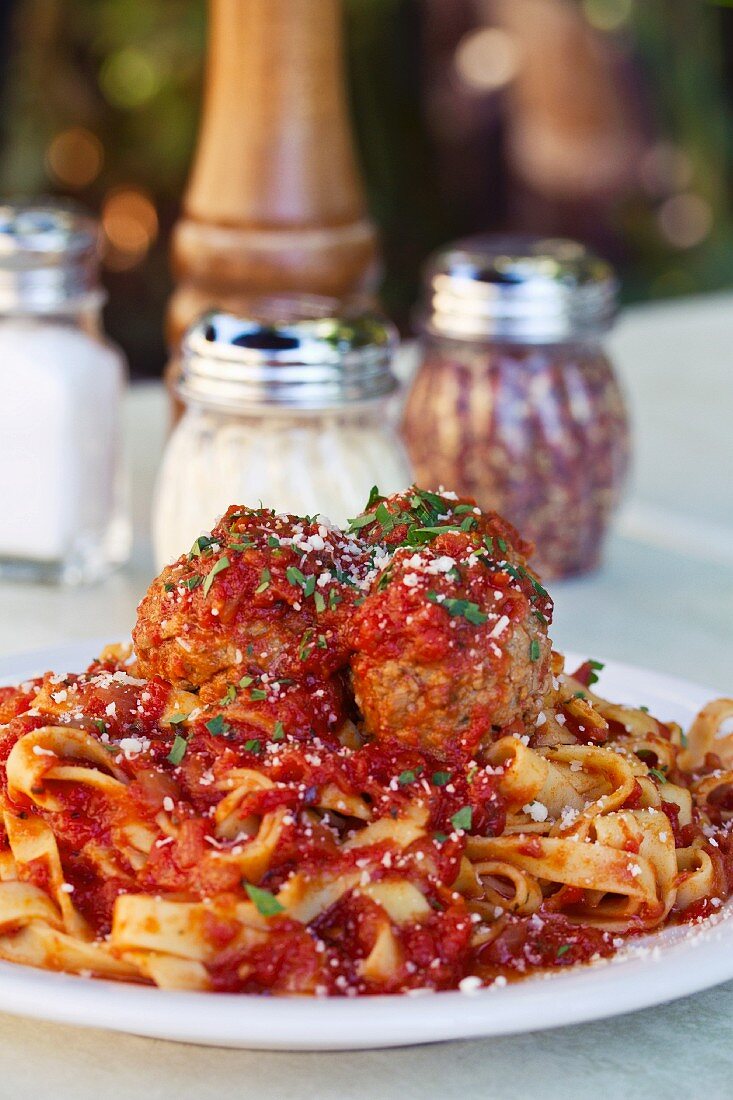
(48, 258)
(296, 353)
(519, 289)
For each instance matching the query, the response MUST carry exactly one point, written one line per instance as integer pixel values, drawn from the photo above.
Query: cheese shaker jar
(290, 406)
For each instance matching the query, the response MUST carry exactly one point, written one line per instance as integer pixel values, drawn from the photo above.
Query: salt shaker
(515, 401)
(291, 407)
(62, 487)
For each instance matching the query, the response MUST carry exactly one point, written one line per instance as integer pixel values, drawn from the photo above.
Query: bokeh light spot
(665, 168)
(129, 78)
(130, 224)
(607, 15)
(685, 220)
(75, 157)
(487, 59)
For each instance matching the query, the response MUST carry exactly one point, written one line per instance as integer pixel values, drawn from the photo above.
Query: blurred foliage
(686, 47)
(125, 75)
(130, 73)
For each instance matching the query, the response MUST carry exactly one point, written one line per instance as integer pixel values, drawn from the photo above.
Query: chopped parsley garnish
(295, 576)
(306, 645)
(645, 709)
(502, 545)
(322, 643)
(168, 586)
(579, 695)
(440, 837)
(374, 496)
(462, 509)
(203, 542)
(265, 902)
(217, 725)
(319, 602)
(176, 719)
(178, 749)
(333, 599)
(595, 666)
(406, 777)
(273, 541)
(310, 586)
(278, 734)
(462, 818)
(385, 578)
(264, 584)
(534, 650)
(470, 611)
(363, 520)
(253, 746)
(658, 775)
(418, 536)
(563, 949)
(441, 778)
(256, 694)
(219, 567)
(385, 517)
(468, 523)
(229, 696)
(245, 681)
(193, 582)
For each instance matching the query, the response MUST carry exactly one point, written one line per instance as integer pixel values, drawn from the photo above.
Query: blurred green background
(608, 120)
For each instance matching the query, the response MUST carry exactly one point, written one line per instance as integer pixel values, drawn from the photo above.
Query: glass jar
(293, 412)
(515, 401)
(62, 482)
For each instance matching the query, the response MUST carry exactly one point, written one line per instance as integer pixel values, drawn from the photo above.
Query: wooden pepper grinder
(274, 202)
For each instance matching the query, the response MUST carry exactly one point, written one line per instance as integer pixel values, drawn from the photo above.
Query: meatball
(450, 646)
(264, 596)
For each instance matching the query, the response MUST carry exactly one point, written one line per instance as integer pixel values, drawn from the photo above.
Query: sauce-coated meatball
(450, 645)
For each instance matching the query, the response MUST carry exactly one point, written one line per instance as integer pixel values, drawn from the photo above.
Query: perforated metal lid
(519, 288)
(297, 353)
(48, 257)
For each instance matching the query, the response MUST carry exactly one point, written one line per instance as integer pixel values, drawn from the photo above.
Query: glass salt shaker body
(62, 479)
(515, 401)
(291, 409)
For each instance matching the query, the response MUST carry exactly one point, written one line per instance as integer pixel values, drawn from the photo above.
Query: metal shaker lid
(49, 257)
(519, 288)
(291, 352)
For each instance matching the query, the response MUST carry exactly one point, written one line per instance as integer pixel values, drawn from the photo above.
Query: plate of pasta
(341, 791)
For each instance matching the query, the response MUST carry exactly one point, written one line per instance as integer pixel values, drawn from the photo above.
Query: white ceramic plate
(671, 964)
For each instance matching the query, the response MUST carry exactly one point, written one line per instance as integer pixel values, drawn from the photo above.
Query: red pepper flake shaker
(515, 401)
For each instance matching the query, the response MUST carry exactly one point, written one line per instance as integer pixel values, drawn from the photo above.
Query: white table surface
(663, 599)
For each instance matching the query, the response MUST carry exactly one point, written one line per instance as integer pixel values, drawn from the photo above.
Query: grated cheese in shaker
(291, 410)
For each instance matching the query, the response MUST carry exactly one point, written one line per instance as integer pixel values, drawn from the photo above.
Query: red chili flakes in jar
(515, 402)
